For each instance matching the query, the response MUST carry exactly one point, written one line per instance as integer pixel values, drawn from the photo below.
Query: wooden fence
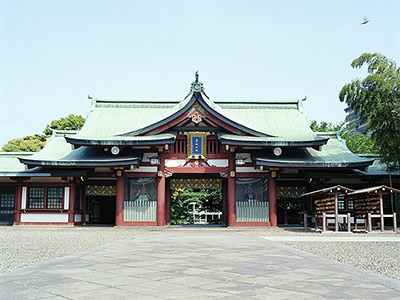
(252, 211)
(140, 210)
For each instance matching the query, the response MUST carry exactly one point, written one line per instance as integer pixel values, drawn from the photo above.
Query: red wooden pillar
(119, 201)
(168, 203)
(224, 204)
(273, 218)
(17, 205)
(83, 192)
(161, 192)
(231, 191)
(71, 207)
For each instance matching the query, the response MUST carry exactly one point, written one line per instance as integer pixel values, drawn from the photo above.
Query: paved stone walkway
(195, 264)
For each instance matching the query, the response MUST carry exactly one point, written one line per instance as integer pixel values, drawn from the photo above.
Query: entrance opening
(196, 201)
(290, 211)
(100, 204)
(101, 210)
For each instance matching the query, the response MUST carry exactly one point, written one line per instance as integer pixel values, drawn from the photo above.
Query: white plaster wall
(175, 162)
(34, 218)
(146, 156)
(247, 169)
(66, 198)
(143, 169)
(24, 197)
(218, 162)
(78, 218)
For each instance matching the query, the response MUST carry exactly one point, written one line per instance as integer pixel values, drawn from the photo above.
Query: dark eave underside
(242, 141)
(134, 141)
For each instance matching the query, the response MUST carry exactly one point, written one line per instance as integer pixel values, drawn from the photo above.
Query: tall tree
(34, 143)
(72, 122)
(376, 100)
(355, 141)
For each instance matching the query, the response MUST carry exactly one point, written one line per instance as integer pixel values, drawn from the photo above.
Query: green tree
(72, 122)
(355, 141)
(34, 143)
(30, 143)
(205, 199)
(359, 143)
(323, 126)
(376, 100)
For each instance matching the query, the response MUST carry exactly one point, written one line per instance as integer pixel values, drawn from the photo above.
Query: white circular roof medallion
(115, 150)
(277, 151)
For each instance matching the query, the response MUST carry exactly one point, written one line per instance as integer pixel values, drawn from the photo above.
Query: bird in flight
(365, 20)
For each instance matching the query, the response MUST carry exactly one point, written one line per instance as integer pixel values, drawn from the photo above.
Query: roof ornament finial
(197, 86)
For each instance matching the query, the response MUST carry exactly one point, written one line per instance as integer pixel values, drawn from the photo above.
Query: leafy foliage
(323, 126)
(359, 143)
(205, 199)
(376, 99)
(35, 143)
(355, 141)
(72, 122)
(30, 143)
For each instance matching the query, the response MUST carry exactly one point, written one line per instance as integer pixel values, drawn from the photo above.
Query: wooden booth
(369, 204)
(330, 203)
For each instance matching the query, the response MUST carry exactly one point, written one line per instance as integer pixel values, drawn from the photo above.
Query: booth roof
(329, 190)
(383, 188)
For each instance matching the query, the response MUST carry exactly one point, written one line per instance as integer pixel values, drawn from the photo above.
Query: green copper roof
(111, 121)
(58, 152)
(9, 161)
(333, 155)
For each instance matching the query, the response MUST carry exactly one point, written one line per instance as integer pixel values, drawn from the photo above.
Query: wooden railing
(213, 145)
(252, 211)
(140, 210)
(180, 145)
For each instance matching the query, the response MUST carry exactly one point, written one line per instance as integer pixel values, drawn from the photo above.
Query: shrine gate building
(121, 166)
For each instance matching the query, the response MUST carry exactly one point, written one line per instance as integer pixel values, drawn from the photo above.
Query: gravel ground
(24, 246)
(379, 257)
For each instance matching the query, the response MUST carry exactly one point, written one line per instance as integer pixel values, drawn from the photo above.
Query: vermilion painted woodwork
(161, 194)
(168, 203)
(273, 218)
(170, 124)
(231, 193)
(119, 201)
(224, 203)
(183, 156)
(18, 201)
(197, 170)
(71, 210)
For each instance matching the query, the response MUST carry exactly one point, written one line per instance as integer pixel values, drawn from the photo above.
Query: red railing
(180, 145)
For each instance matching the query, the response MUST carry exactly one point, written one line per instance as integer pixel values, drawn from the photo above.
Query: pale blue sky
(55, 53)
